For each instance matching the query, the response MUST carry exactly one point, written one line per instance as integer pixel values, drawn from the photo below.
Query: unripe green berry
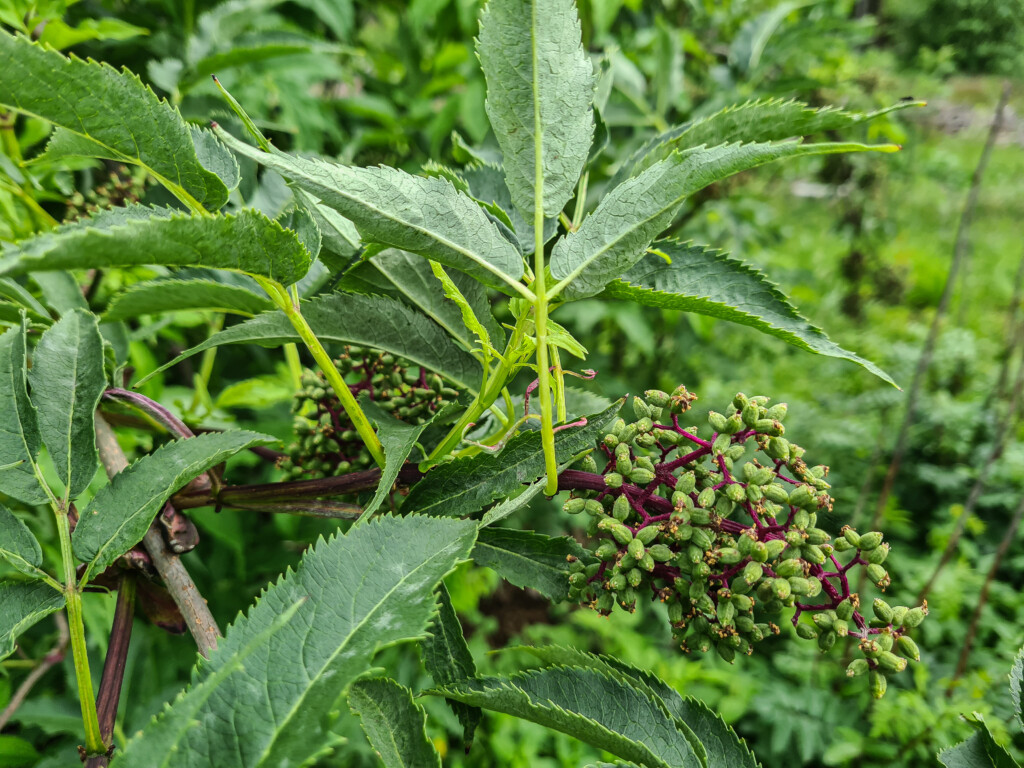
(878, 575)
(752, 572)
(613, 480)
(657, 398)
(574, 506)
(878, 554)
(857, 667)
(621, 509)
(775, 548)
(686, 483)
(915, 616)
(868, 541)
(845, 610)
(889, 660)
(706, 498)
(878, 684)
(635, 549)
(717, 421)
(622, 534)
(635, 577)
(721, 444)
(826, 640)
(641, 476)
(806, 631)
(909, 648)
(660, 553)
(882, 610)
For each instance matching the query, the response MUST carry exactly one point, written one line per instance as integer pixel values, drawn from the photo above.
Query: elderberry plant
(406, 268)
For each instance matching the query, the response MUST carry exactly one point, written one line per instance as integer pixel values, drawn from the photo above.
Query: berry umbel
(725, 532)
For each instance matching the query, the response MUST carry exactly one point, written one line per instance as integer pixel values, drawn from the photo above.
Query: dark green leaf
(529, 559)
(67, 382)
(19, 431)
(120, 514)
(398, 439)
(22, 605)
(17, 544)
(395, 725)
(695, 279)
(1016, 680)
(157, 296)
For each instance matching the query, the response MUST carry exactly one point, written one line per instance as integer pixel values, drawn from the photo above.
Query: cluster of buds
(123, 187)
(326, 443)
(724, 531)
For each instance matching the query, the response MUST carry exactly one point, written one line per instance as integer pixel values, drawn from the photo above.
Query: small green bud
(775, 548)
(593, 507)
(842, 544)
(790, 567)
(817, 536)
(799, 585)
(884, 640)
(588, 463)
(726, 613)
(647, 534)
(889, 660)
(574, 506)
(636, 549)
(617, 582)
(915, 616)
(845, 609)
(769, 427)
(721, 443)
(717, 421)
(736, 452)
(841, 627)
(778, 448)
(878, 554)
(878, 684)
(613, 480)
(706, 498)
(660, 553)
(882, 610)
(826, 640)
(622, 534)
(759, 551)
(803, 497)
(878, 575)
(686, 483)
(644, 424)
(623, 464)
(868, 541)
(635, 577)
(607, 551)
(899, 613)
(851, 536)
(752, 572)
(657, 398)
(743, 602)
(621, 509)
(641, 409)
(641, 476)
(857, 667)
(909, 648)
(824, 619)
(777, 412)
(735, 493)
(750, 414)
(813, 554)
(782, 588)
(806, 631)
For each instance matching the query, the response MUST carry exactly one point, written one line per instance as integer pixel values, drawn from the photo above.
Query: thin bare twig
(54, 657)
(179, 583)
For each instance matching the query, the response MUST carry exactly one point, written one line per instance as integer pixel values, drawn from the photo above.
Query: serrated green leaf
(365, 590)
(19, 431)
(979, 751)
(1016, 681)
(724, 748)
(60, 290)
(395, 725)
(22, 605)
(696, 279)
(17, 294)
(155, 297)
(513, 504)
(528, 559)
(120, 514)
(467, 484)
(244, 242)
(111, 109)
(427, 216)
(398, 439)
(67, 383)
(17, 544)
(617, 233)
(590, 706)
(770, 119)
(487, 184)
(339, 236)
(372, 321)
(540, 93)
(447, 658)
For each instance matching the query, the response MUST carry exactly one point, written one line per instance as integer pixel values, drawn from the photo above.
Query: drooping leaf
(19, 430)
(112, 111)
(600, 710)
(769, 119)
(540, 93)
(362, 591)
(395, 725)
(348, 318)
(61, 292)
(22, 605)
(15, 293)
(122, 237)
(67, 382)
(467, 484)
(1016, 681)
(398, 439)
(120, 514)
(724, 748)
(427, 216)
(695, 279)
(447, 658)
(616, 234)
(155, 297)
(17, 544)
(529, 559)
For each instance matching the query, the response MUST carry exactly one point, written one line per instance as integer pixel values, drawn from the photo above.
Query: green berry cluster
(723, 529)
(326, 443)
(123, 187)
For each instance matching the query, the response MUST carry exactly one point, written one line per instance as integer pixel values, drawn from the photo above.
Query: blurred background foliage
(863, 245)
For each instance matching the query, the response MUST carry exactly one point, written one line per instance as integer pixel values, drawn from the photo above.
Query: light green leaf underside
(67, 382)
(339, 237)
(244, 242)
(109, 108)
(367, 589)
(398, 439)
(447, 658)
(372, 321)
(395, 725)
(709, 283)
(19, 431)
(540, 91)
(120, 514)
(22, 604)
(17, 544)
(17, 294)
(427, 216)
(724, 748)
(511, 505)
(528, 559)
(487, 184)
(1016, 681)
(613, 237)
(171, 295)
(590, 706)
(753, 121)
(466, 485)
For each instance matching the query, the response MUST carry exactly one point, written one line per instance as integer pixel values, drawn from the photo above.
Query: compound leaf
(67, 382)
(540, 93)
(395, 725)
(109, 114)
(360, 591)
(120, 514)
(696, 279)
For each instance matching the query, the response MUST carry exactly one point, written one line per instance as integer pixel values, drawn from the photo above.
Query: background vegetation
(863, 245)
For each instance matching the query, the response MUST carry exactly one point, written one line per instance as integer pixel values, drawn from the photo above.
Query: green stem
(291, 310)
(207, 363)
(291, 356)
(76, 626)
(559, 385)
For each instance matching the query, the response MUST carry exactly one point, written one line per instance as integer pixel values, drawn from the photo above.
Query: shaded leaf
(1016, 680)
(67, 383)
(695, 279)
(395, 725)
(122, 237)
(113, 111)
(540, 92)
(398, 439)
(155, 297)
(372, 321)
(427, 216)
(17, 544)
(22, 605)
(19, 431)
(120, 514)
(467, 484)
(362, 591)
(529, 559)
